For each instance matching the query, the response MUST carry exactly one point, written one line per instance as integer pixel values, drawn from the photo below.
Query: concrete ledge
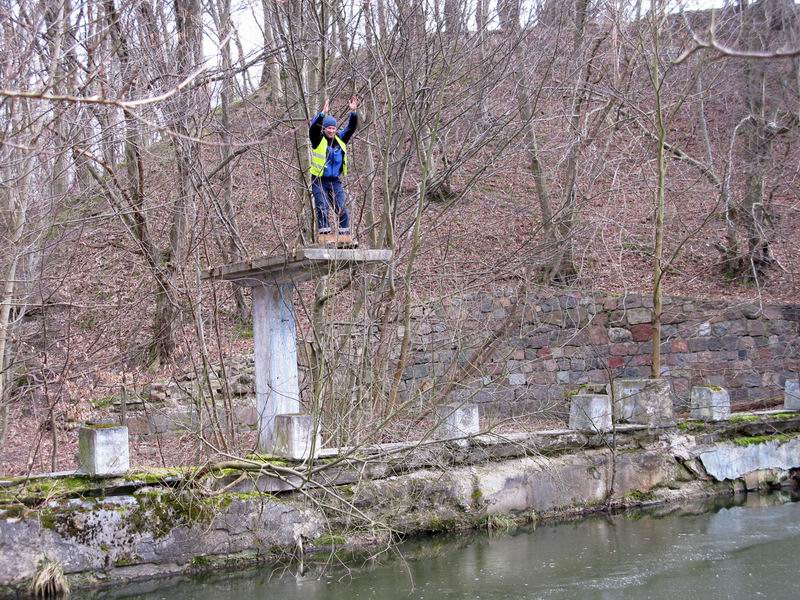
(732, 462)
(119, 531)
(307, 263)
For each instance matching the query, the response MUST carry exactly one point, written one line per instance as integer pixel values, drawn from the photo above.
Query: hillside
(448, 119)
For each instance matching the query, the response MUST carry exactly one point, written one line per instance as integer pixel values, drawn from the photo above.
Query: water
(737, 549)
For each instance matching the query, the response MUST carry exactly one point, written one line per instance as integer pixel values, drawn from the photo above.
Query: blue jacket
(333, 162)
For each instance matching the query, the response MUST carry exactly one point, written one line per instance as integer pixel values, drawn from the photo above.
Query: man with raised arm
(328, 163)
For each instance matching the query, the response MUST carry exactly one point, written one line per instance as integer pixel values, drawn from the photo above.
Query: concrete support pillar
(590, 412)
(277, 389)
(710, 404)
(294, 437)
(103, 450)
(457, 421)
(791, 394)
(273, 280)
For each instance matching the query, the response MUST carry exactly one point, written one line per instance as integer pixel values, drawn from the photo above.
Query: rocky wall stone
(562, 342)
(571, 340)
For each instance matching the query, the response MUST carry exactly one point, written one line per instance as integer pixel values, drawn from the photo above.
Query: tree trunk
(271, 71)
(233, 246)
(188, 27)
(656, 79)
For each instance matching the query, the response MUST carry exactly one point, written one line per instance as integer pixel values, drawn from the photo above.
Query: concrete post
(590, 412)
(274, 336)
(457, 421)
(294, 437)
(791, 394)
(103, 450)
(645, 401)
(710, 404)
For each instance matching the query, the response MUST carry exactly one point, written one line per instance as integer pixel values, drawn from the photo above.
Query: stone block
(517, 379)
(576, 377)
(590, 412)
(698, 345)
(710, 403)
(138, 425)
(645, 401)
(103, 450)
(246, 415)
(791, 394)
(159, 422)
(637, 316)
(295, 437)
(641, 332)
(457, 421)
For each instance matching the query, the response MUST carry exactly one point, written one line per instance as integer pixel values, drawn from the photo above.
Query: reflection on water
(729, 549)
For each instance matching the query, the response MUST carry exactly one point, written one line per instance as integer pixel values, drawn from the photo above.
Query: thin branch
(97, 99)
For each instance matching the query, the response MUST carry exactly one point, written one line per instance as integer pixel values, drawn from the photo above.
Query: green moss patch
(159, 512)
(754, 440)
(640, 496)
(36, 491)
(330, 539)
(785, 416)
(268, 459)
(744, 419)
(155, 475)
(692, 426)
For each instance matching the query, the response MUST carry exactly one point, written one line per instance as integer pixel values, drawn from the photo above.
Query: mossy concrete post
(644, 401)
(710, 404)
(103, 450)
(791, 394)
(590, 412)
(273, 280)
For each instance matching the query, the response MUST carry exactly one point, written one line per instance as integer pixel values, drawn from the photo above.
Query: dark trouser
(329, 192)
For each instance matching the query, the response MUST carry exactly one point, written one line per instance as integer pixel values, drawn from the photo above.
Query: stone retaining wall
(565, 341)
(559, 344)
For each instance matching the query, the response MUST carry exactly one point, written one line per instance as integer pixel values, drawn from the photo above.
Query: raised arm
(315, 127)
(352, 122)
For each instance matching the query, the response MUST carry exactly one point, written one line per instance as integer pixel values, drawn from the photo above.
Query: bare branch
(713, 44)
(97, 99)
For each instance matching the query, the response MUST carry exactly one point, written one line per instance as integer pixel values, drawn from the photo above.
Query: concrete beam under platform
(307, 263)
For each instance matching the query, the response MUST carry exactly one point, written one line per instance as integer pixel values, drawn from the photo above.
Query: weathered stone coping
(336, 466)
(342, 466)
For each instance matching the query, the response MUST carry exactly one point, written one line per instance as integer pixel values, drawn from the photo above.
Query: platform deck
(307, 263)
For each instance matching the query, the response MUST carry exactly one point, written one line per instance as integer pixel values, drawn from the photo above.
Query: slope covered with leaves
(483, 159)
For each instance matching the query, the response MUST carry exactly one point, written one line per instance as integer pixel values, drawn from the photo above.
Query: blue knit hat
(328, 121)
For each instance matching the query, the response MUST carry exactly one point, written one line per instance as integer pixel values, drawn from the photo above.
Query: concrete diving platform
(272, 280)
(306, 264)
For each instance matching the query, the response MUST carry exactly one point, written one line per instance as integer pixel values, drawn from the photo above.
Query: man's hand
(353, 103)
(326, 106)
